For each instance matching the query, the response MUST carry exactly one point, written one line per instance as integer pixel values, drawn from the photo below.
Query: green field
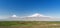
(29, 24)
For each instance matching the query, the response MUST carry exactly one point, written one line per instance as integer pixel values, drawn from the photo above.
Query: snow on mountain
(13, 16)
(34, 17)
(38, 15)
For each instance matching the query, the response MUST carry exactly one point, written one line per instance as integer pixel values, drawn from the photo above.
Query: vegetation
(29, 24)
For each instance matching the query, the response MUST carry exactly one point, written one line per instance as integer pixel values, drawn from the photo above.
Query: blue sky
(29, 7)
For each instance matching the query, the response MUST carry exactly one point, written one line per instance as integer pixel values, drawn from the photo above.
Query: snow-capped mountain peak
(13, 16)
(37, 15)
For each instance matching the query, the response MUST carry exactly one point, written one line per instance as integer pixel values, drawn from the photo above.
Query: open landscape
(29, 24)
(29, 13)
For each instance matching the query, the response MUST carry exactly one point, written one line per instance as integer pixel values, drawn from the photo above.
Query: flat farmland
(29, 24)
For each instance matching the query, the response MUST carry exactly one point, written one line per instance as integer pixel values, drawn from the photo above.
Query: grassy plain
(29, 24)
